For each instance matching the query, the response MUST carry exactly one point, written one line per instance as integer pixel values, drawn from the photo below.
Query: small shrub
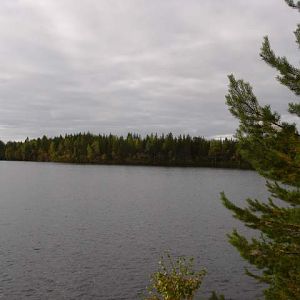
(175, 279)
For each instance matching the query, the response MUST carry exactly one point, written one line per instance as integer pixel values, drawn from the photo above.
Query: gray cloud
(135, 65)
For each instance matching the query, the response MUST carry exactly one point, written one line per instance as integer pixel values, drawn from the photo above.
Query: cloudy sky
(139, 66)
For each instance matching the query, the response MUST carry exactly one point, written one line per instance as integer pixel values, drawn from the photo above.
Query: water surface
(97, 232)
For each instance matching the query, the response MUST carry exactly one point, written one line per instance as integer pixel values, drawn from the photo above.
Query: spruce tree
(273, 148)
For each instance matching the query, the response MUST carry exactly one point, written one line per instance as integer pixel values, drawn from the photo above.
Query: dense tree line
(182, 150)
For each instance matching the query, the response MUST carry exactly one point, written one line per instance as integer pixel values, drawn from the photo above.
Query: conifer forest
(133, 149)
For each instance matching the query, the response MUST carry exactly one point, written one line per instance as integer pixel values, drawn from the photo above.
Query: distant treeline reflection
(167, 150)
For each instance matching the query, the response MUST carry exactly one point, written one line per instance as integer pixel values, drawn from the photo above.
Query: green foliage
(133, 149)
(2, 150)
(293, 4)
(273, 149)
(175, 280)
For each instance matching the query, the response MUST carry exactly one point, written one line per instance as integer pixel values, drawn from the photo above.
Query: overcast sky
(139, 66)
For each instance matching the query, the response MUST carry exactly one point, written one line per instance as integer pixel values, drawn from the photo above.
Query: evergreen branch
(294, 229)
(241, 96)
(290, 196)
(273, 148)
(294, 108)
(297, 34)
(292, 4)
(290, 76)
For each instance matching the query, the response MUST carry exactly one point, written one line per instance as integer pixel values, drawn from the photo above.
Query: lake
(97, 232)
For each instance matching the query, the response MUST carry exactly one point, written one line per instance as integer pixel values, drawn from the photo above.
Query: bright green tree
(273, 148)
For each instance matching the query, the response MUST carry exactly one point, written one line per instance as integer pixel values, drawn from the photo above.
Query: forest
(165, 150)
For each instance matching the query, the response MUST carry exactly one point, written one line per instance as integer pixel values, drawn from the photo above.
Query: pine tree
(2, 150)
(273, 148)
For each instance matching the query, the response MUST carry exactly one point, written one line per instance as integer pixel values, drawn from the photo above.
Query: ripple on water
(97, 232)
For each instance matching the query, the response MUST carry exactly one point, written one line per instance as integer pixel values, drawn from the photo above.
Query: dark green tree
(273, 148)
(2, 150)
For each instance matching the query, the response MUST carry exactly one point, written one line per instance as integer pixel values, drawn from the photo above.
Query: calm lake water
(97, 232)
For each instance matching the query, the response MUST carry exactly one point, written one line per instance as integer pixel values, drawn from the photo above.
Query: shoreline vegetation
(151, 150)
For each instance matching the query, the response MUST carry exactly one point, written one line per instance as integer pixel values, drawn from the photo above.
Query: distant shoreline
(151, 150)
(140, 164)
